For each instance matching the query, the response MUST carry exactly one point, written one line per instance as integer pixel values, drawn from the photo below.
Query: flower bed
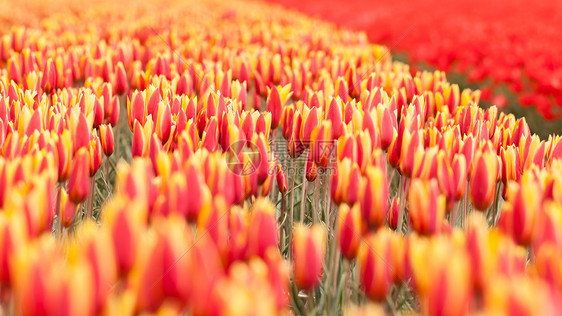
(510, 47)
(236, 158)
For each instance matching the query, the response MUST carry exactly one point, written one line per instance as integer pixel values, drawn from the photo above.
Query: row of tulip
(487, 42)
(416, 192)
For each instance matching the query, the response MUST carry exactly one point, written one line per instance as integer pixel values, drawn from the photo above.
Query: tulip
(107, 140)
(82, 134)
(79, 180)
(278, 275)
(349, 230)
(480, 243)
(448, 291)
(95, 245)
(246, 290)
(121, 82)
(98, 113)
(294, 144)
(334, 115)
(346, 182)
(311, 121)
(374, 199)
(549, 226)
(393, 213)
(548, 260)
(206, 261)
(531, 151)
(445, 177)
(95, 153)
(113, 119)
(460, 175)
(511, 295)
(426, 206)
(126, 220)
(276, 100)
(63, 145)
(321, 144)
(136, 109)
(164, 126)
(412, 152)
(309, 248)
(199, 196)
(388, 128)
(68, 210)
(138, 147)
(376, 268)
(45, 282)
(281, 179)
(519, 214)
(13, 237)
(483, 179)
(263, 231)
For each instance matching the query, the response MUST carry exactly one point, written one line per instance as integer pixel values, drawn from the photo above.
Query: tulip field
(509, 49)
(241, 158)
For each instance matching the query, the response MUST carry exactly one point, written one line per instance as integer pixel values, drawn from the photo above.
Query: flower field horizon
(238, 158)
(508, 49)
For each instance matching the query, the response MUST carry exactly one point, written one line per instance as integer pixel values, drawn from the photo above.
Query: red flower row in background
(516, 43)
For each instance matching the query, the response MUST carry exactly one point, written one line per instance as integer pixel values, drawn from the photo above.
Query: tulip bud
(483, 179)
(121, 82)
(95, 245)
(281, 179)
(445, 177)
(349, 230)
(98, 113)
(295, 146)
(519, 213)
(164, 123)
(311, 170)
(63, 143)
(13, 237)
(263, 231)
(449, 277)
(511, 295)
(126, 221)
(82, 133)
(310, 122)
(116, 109)
(276, 100)
(321, 144)
(460, 174)
(548, 262)
(309, 248)
(374, 200)
(376, 267)
(68, 209)
(136, 109)
(479, 243)
(107, 140)
(138, 146)
(199, 199)
(426, 206)
(393, 213)
(79, 180)
(95, 153)
(510, 166)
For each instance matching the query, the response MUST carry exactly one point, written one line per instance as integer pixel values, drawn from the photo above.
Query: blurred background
(510, 50)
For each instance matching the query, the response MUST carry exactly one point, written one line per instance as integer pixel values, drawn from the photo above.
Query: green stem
(303, 195)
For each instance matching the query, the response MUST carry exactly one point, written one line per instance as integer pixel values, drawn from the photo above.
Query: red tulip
(79, 180)
(309, 247)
